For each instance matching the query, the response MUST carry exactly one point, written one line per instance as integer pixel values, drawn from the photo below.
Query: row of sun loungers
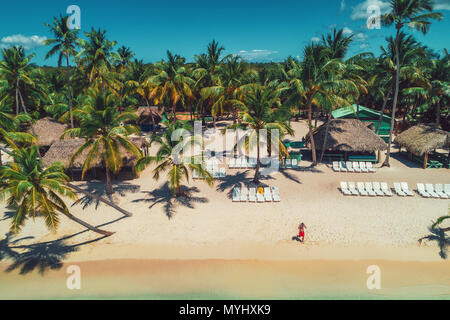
(251, 195)
(242, 163)
(349, 166)
(374, 189)
(215, 172)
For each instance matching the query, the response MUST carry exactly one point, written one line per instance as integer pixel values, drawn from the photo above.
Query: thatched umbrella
(63, 150)
(421, 139)
(149, 115)
(347, 135)
(48, 131)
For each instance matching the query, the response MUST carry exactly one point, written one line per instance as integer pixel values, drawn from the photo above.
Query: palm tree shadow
(439, 236)
(98, 189)
(289, 176)
(164, 195)
(7, 215)
(230, 182)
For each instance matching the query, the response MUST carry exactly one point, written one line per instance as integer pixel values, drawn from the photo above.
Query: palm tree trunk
(313, 145)
(394, 105)
(109, 188)
(17, 97)
(258, 161)
(32, 127)
(383, 108)
(438, 115)
(69, 92)
(325, 139)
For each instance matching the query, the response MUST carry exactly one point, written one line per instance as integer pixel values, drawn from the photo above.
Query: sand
(208, 225)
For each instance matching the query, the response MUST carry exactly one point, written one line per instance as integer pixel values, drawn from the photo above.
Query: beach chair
(276, 194)
(377, 189)
(406, 189)
(349, 166)
(361, 189)
(344, 189)
(336, 166)
(362, 165)
(422, 191)
(252, 163)
(398, 190)
(238, 163)
(244, 194)
(342, 166)
(352, 188)
(268, 194)
(447, 189)
(385, 188)
(244, 164)
(252, 195)
(260, 197)
(232, 163)
(294, 164)
(215, 173)
(369, 189)
(370, 167)
(288, 163)
(440, 191)
(430, 189)
(356, 167)
(236, 195)
(222, 173)
(195, 174)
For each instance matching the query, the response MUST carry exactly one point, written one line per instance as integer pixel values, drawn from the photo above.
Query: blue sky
(257, 30)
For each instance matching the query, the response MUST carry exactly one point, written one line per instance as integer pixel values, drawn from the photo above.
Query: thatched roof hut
(422, 139)
(63, 150)
(347, 135)
(145, 115)
(48, 131)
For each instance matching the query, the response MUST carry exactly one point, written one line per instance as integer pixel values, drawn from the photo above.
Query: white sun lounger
(356, 167)
(385, 188)
(398, 190)
(405, 189)
(447, 189)
(343, 167)
(349, 166)
(252, 163)
(294, 164)
(421, 190)
(276, 194)
(440, 191)
(362, 165)
(344, 189)
(361, 189)
(195, 174)
(288, 163)
(244, 195)
(236, 195)
(268, 194)
(369, 189)
(252, 195)
(377, 189)
(260, 197)
(222, 173)
(336, 166)
(352, 188)
(232, 163)
(370, 167)
(430, 189)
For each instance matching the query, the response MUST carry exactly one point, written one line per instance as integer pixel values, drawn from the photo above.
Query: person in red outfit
(301, 232)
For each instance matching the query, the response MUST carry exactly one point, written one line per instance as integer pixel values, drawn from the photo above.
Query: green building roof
(351, 111)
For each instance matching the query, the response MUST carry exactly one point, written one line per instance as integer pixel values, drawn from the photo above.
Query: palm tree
(101, 125)
(36, 192)
(171, 84)
(64, 44)
(259, 116)
(124, 57)
(416, 14)
(168, 160)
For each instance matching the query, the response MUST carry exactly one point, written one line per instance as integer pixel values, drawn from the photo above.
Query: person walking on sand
(301, 232)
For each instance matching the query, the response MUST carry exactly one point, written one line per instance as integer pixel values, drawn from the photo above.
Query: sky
(258, 31)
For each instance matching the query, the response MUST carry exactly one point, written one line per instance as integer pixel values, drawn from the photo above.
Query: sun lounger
(260, 197)
(238, 163)
(440, 191)
(244, 195)
(244, 164)
(430, 189)
(405, 189)
(398, 190)
(356, 167)
(236, 195)
(421, 190)
(352, 189)
(344, 189)
(294, 164)
(377, 189)
(288, 163)
(222, 173)
(195, 174)
(232, 163)
(370, 167)
(216, 173)
(362, 191)
(447, 189)
(252, 195)
(385, 188)
(252, 163)
(276, 194)
(369, 189)
(362, 165)
(268, 195)
(336, 166)
(342, 166)
(349, 166)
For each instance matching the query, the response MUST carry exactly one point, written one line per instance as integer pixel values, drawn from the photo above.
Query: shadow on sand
(164, 195)
(438, 235)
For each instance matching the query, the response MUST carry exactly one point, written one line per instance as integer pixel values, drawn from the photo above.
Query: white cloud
(363, 46)
(347, 31)
(315, 39)
(441, 5)
(360, 10)
(21, 40)
(255, 54)
(343, 6)
(360, 37)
